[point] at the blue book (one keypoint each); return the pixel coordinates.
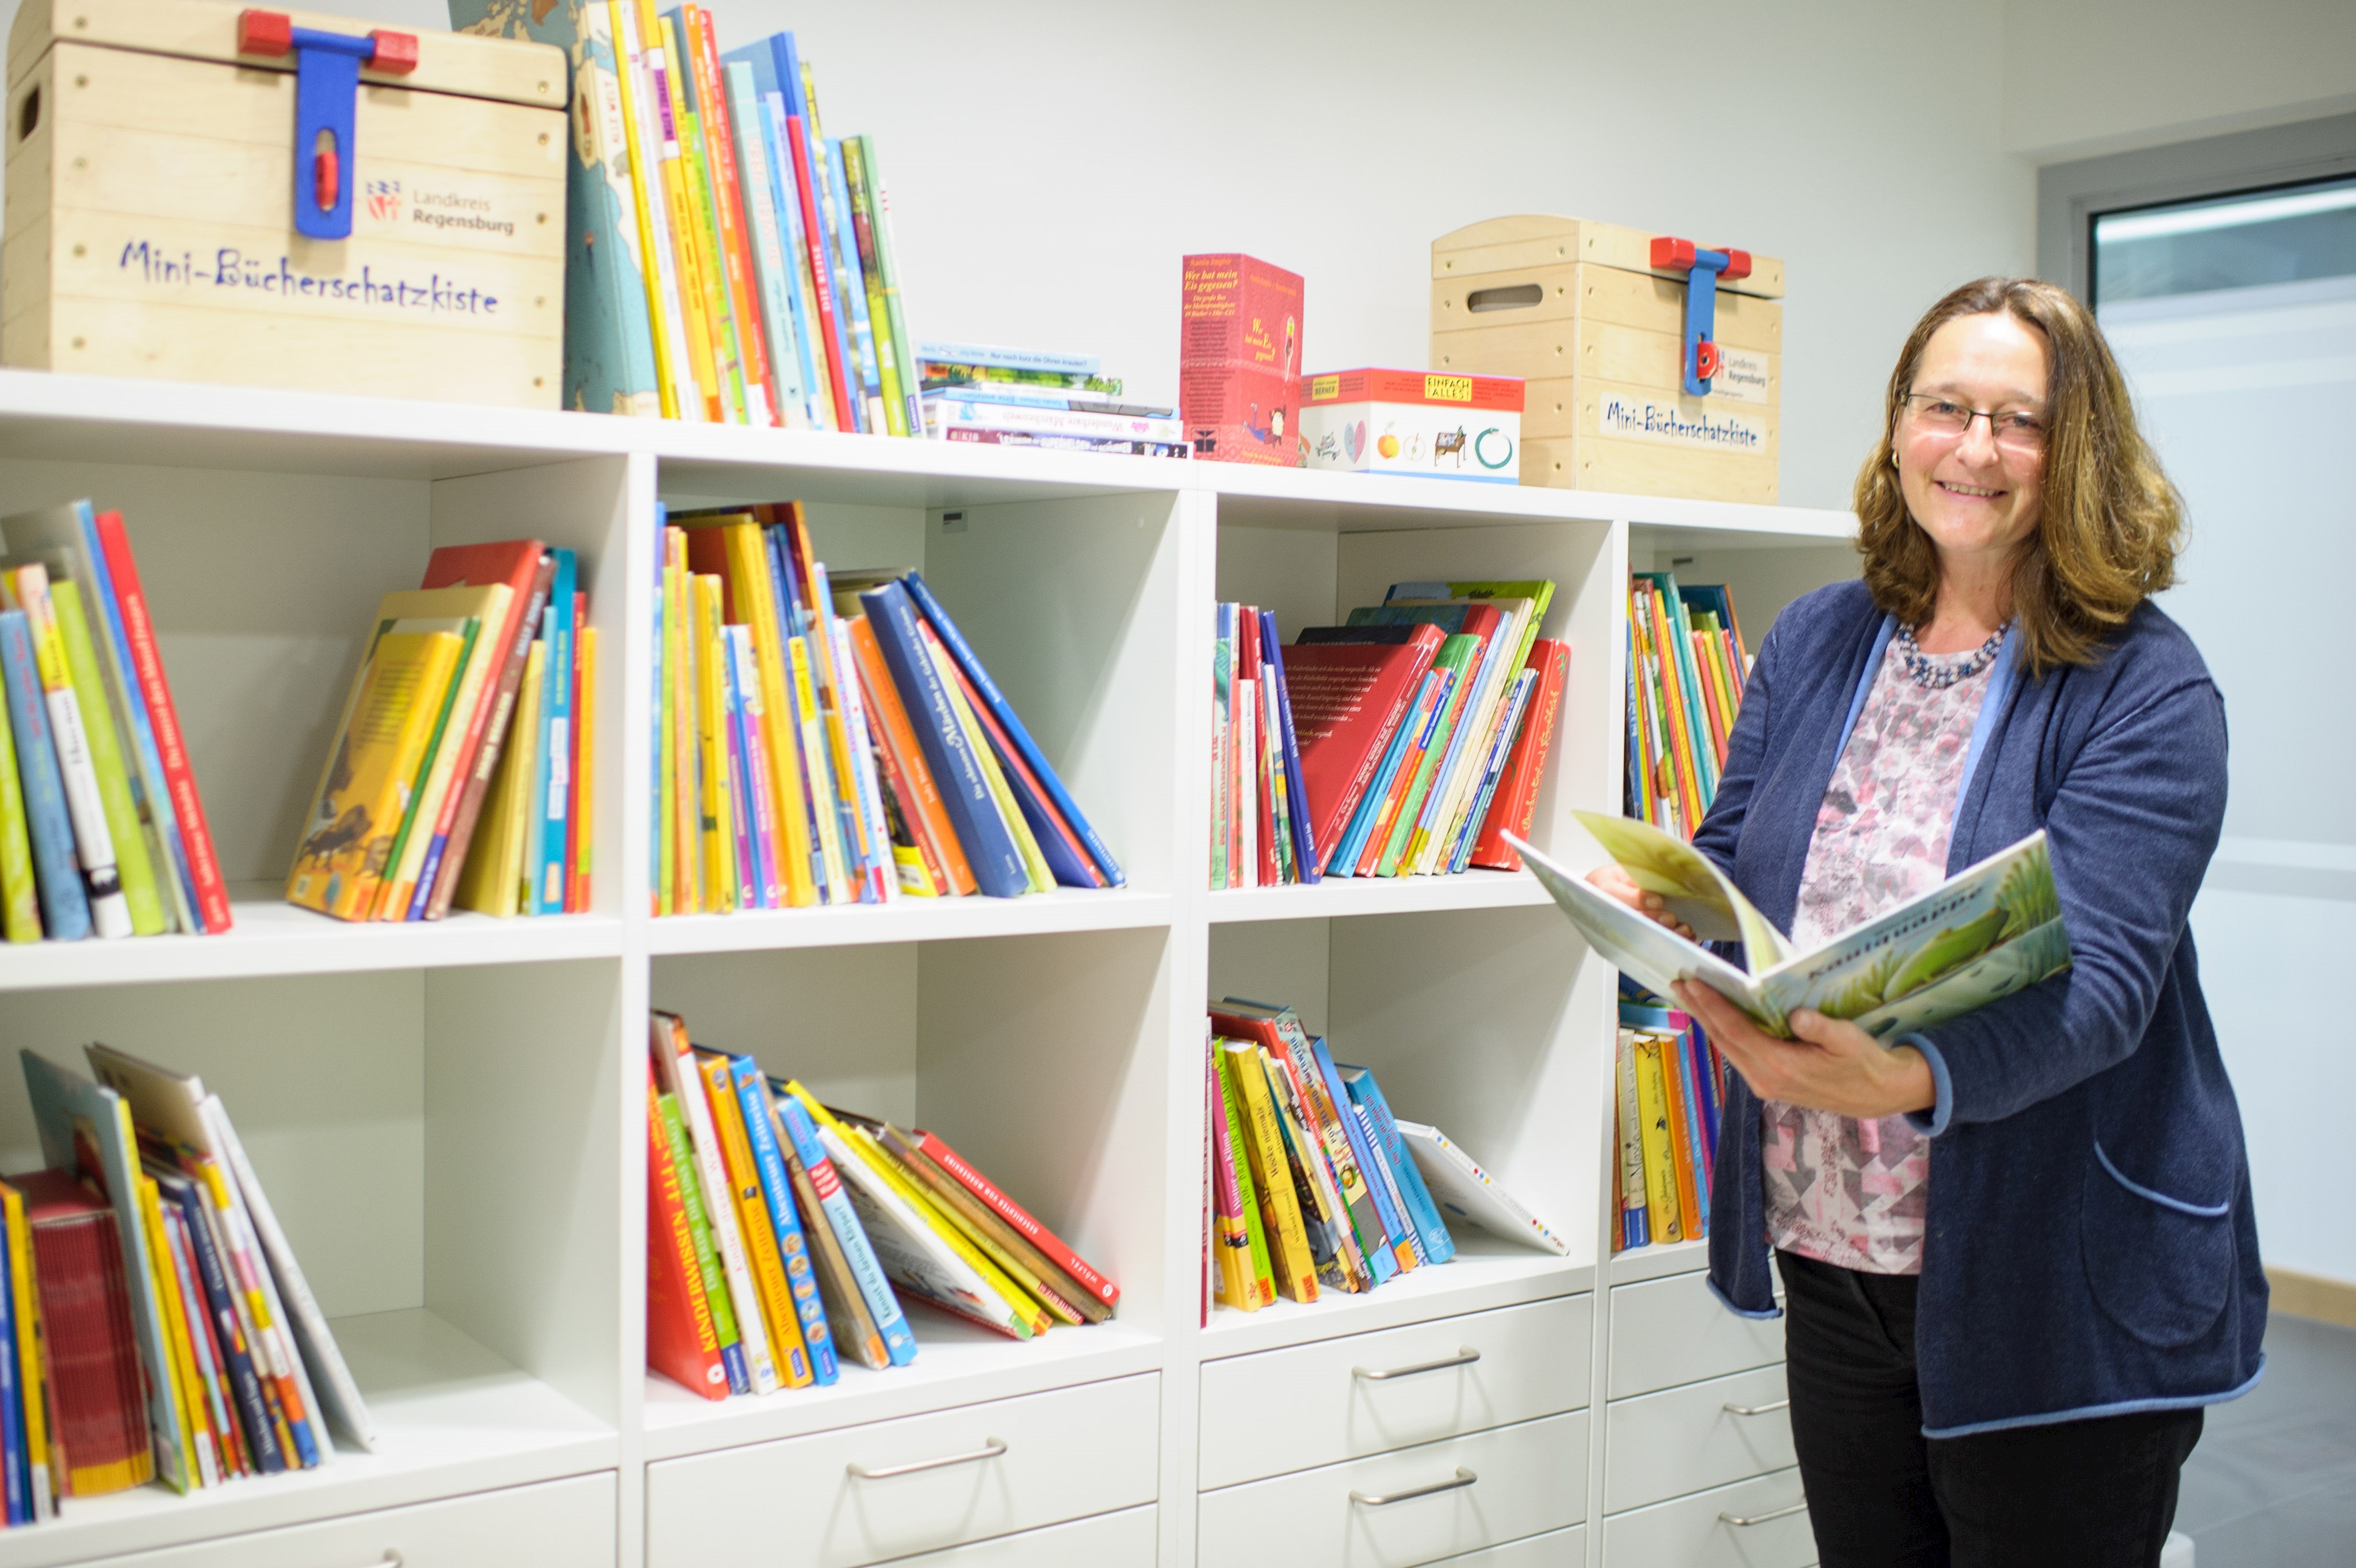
(941, 353)
(1439, 1246)
(213, 1275)
(764, 223)
(854, 282)
(784, 62)
(1021, 394)
(1501, 747)
(65, 904)
(997, 863)
(1370, 804)
(1682, 1058)
(791, 624)
(899, 1342)
(553, 779)
(789, 224)
(1396, 1228)
(778, 1192)
(1305, 837)
(752, 892)
(1003, 712)
(18, 1469)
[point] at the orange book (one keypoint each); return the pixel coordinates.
(1681, 1149)
(682, 1343)
(728, 203)
(911, 782)
(1679, 731)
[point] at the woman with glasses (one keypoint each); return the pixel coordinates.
(2016, 1249)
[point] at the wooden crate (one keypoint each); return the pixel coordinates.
(1577, 310)
(150, 224)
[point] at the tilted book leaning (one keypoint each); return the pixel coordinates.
(1985, 932)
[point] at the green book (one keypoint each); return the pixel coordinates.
(1247, 1193)
(20, 907)
(1454, 654)
(699, 1223)
(140, 893)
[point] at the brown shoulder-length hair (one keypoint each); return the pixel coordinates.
(2111, 524)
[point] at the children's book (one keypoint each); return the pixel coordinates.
(682, 1342)
(842, 1219)
(1985, 932)
(1464, 1191)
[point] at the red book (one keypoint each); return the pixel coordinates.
(575, 898)
(1056, 1249)
(728, 203)
(527, 568)
(822, 277)
(93, 1345)
(204, 865)
(1239, 358)
(1348, 699)
(682, 1343)
(1516, 803)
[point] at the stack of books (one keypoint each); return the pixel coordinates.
(1671, 1083)
(459, 770)
(1407, 742)
(1017, 397)
(726, 260)
(1314, 1185)
(155, 1325)
(824, 740)
(777, 1230)
(100, 828)
(1687, 668)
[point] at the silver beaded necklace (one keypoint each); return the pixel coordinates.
(1935, 674)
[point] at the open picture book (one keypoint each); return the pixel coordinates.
(1985, 933)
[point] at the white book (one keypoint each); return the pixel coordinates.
(909, 1249)
(1464, 1191)
(676, 1067)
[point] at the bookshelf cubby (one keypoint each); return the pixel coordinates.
(450, 1115)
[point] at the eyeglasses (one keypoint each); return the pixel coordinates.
(2018, 431)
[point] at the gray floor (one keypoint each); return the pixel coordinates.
(2273, 1483)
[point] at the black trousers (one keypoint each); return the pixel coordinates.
(2077, 1494)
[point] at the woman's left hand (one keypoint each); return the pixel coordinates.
(1832, 1066)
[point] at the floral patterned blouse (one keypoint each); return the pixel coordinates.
(1844, 1191)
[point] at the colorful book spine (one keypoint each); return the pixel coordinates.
(904, 346)
(760, 1235)
(1661, 1200)
(27, 589)
(707, 1256)
(748, 119)
(776, 1190)
(682, 1342)
(1262, 1283)
(899, 1343)
(20, 906)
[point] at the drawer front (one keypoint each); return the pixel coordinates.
(1688, 1532)
(568, 1524)
(1123, 1540)
(1527, 1480)
(1016, 1463)
(1555, 1549)
(1671, 1331)
(1311, 1405)
(1683, 1439)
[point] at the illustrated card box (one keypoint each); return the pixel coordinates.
(1238, 356)
(1409, 422)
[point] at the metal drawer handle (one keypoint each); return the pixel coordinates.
(1739, 1522)
(1464, 1478)
(1464, 1357)
(1756, 1408)
(991, 1449)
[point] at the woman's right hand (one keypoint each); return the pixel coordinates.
(1613, 879)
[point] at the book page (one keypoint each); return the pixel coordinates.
(1640, 946)
(1985, 932)
(1690, 886)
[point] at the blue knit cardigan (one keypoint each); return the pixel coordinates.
(2091, 1246)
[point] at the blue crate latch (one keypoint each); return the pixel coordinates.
(1702, 269)
(326, 86)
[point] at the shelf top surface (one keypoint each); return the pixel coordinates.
(170, 424)
(1485, 1272)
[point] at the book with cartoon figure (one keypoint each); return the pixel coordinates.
(1985, 932)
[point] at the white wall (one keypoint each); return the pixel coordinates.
(2084, 77)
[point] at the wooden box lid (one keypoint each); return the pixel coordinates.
(508, 71)
(1538, 239)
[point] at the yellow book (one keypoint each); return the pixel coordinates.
(718, 820)
(663, 303)
(666, 892)
(30, 1382)
(477, 683)
(194, 1430)
(752, 1211)
(710, 279)
(687, 800)
(27, 588)
(584, 769)
(812, 729)
(491, 881)
(1652, 1113)
(371, 771)
(1296, 1266)
(662, 65)
(1010, 810)
(960, 1208)
(719, 301)
(912, 1192)
(148, 915)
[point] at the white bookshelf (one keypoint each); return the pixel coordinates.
(450, 1116)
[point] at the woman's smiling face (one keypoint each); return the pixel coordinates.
(1972, 493)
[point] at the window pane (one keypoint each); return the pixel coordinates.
(2273, 237)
